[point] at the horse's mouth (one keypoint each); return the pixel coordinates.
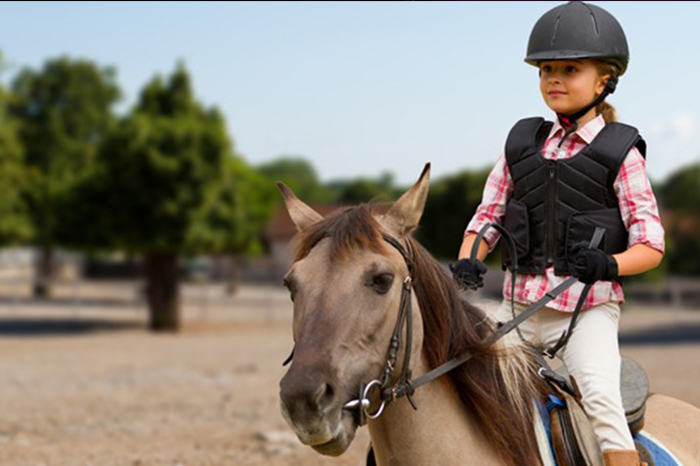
(340, 442)
(343, 435)
(335, 447)
(323, 434)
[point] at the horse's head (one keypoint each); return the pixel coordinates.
(346, 284)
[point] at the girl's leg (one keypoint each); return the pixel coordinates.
(592, 356)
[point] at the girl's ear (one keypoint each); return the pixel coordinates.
(602, 82)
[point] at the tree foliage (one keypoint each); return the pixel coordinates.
(681, 190)
(300, 176)
(235, 213)
(679, 196)
(157, 168)
(360, 190)
(15, 225)
(64, 112)
(451, 204)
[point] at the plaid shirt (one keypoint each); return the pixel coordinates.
(637, 206)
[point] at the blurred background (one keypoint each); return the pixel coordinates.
(143, 239)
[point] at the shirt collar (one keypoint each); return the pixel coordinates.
(587, 133)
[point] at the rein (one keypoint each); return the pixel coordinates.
(404, 385)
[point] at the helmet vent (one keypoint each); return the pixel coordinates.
(595, 24)
(556, 26)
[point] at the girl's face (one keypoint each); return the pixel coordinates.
(570, 85)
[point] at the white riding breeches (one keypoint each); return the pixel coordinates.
(592, 357)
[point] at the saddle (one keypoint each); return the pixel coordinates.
(573, 441)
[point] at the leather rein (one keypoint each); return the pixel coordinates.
(405, 386)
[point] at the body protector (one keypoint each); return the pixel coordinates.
(557, 204)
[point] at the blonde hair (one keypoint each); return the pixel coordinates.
(604, 108)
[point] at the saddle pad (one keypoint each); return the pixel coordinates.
(544, 435)
(662, 456)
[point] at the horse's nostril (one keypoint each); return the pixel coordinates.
(323, 396)
(307, 393)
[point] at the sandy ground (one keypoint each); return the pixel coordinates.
(83, 383)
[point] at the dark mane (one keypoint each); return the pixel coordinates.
(351, 228)
(453, 326)
(500, 399)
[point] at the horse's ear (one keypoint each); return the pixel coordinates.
(403, 217)
(302, 215)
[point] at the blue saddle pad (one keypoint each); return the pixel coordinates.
(662, 456)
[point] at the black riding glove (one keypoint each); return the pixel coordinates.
(468, 274)
(591, 265)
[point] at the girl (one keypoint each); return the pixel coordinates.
(554, 184)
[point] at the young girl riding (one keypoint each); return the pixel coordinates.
(555, 183)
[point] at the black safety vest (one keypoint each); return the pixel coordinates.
(557, 204)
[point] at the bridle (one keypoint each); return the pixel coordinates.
(404, 380)
(405, 386)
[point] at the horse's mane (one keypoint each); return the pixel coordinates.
(498, 386)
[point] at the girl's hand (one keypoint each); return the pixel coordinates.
(468, 274)
(591, 265)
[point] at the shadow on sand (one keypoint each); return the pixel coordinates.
(42, 327)
(675, 334)
(7, 301)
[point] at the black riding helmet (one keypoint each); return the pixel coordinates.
(579, 30)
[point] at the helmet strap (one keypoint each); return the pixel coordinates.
(570, 121)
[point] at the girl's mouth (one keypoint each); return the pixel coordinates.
(555, 93)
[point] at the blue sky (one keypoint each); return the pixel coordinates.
(364, 88)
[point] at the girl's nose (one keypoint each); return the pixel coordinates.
(553, 78)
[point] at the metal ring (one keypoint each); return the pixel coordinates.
(379, 410)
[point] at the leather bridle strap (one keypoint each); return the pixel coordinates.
(405, 316)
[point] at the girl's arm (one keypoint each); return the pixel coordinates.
(640, 213)
(497, 191)
(637, 259)
(466, 249)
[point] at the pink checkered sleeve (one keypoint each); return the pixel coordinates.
(638, 204)
(497, 191)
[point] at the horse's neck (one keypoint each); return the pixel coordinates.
(441, 431)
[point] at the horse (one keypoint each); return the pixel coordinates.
(346, 283)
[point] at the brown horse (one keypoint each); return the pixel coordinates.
(346, 284)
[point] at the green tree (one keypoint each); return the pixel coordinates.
(163, 160)
(64, 113)
(365, 189)
(679, 196)
(234, 215)
(300, 176)
(681, 190)
(451, 204)
(15, 225)
(236, 212)
(160, 168)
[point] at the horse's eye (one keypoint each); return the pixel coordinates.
(291, 287)
(381, 283)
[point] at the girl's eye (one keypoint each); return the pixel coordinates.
(570, 69)
(381, 283)
(546, 69)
